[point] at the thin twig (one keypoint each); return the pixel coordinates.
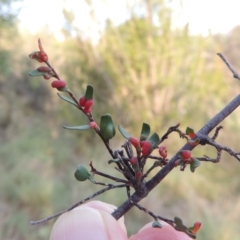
(216, 132)
(213, 160)
(155, 216)
(78, 204)
(173, 129)
(161, 174)
(155, 164)
(235, 74)
(95, 171)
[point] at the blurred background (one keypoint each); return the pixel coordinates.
(149, 61)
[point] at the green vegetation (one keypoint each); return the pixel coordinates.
(142, 73)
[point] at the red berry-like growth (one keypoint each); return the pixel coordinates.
(46, 76)
(135, 142)
(82, 101)
(93, 125)
(162, 151)
(88, 103)
(185, 154)
(58, 84)
(44, 69)
(146, 148)
(43, 56)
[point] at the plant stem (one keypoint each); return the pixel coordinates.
(205, 130)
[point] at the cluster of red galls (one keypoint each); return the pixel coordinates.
(46, 72)
(145, 147)
(86, 104)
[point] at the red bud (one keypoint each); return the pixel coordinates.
(44, 69)
(185, 154)
(135, 142)
(39, 56)
(82, 101)
(93, 125)
(146, 148)
(46, 76)
(162, 151)
(88, 103)
(43, 56)
(58, 84)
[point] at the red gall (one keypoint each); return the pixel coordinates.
(146, 148)
(93, 125)
(135, 142)
(87, 110)
(58, 84)
(46, 76)
(162, 151)
(82, 101)
(185, 154)
(88, 103)
(44, 69)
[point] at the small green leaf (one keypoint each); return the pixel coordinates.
(123, 132)
(156, 224)
(67, 99)
(179, 224)
(89, 92)
(113, 160)
(83, 127)
(154, 139)
(178, 221)
(36, 73)
(196, 163)
(190, 132)
(145, 132)
(81, 174)
(107, 127)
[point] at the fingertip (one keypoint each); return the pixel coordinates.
(87, 223)
(165, 233)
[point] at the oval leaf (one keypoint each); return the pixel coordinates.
(69, 100)
(178, 221)
(196, 163)
(145, 132)
(89, 92)
(83, 127)
(36, 73)
(123, 132)
(107, 127)
(154, 139)
(179, 225)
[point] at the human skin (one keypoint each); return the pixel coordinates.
(93, 220)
